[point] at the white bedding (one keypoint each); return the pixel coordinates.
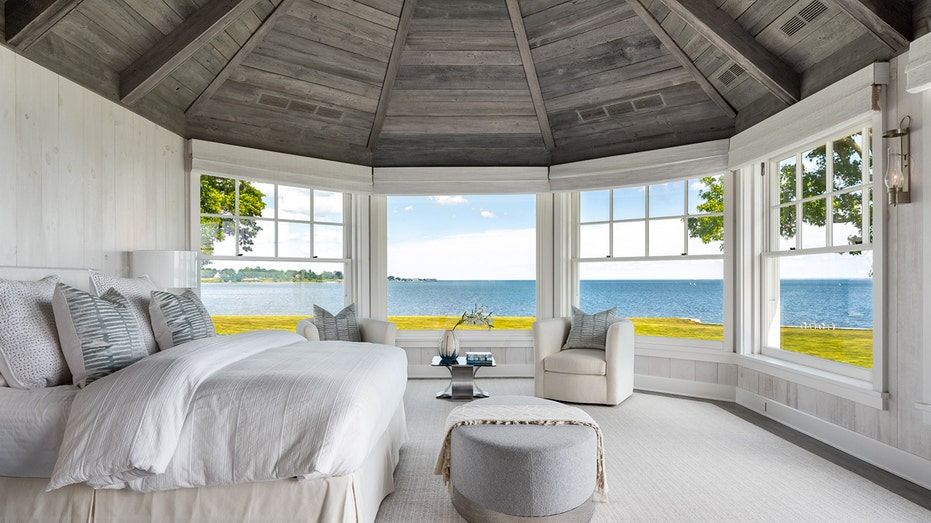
(250, 407)
(32, 423)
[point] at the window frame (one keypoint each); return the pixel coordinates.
(771, 251)
(662, 345)
(349, 279)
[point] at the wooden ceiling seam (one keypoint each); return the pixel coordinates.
(391, 72)
(175, 48)
(683, 58)
(530, 71)
(257, 36)
(733, 40)
(878, 21)
(27, 21)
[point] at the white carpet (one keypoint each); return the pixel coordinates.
(668, 459)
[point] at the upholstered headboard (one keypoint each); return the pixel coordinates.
(77, 278)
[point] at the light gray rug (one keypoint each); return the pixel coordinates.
(668, 459)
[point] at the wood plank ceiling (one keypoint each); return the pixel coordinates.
(457, 83)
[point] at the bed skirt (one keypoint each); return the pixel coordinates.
(352, 498)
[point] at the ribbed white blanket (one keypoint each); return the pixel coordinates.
(231, 409)
(477, 414)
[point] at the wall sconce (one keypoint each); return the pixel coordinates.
(897, 163)
(167, 269)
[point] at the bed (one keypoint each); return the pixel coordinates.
(263, 426)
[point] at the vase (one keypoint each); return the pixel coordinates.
(449, 347)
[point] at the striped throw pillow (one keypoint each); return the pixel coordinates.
(589, 331)
(179, 318)
(343, 326)
(99, 336)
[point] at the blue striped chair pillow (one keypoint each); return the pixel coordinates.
(179, 318)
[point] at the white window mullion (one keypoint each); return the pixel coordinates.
(829, 193)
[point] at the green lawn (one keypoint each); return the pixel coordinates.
(854, 346)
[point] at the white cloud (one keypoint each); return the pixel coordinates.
(488, 214)
(449, 200)
(506, 254)
(409, 208)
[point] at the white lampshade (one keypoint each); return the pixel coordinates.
(167, 269)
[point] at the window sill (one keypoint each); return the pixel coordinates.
(859, 391)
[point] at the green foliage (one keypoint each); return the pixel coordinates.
(709, 228)
(261, 274)
(218, 196)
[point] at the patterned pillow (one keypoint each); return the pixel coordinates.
(30, 356)
(99, 336)
(343, 326)
(138, 291)
(178, 319)
(589, 331)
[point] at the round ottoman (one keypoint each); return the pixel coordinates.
(512, 472)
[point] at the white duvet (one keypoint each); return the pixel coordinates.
(231, 409)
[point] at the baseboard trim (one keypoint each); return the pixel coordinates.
(903, 464)
(697, 389)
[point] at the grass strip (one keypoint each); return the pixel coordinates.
(853, 346)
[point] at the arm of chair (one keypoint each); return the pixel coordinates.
(619, 356)
(549, 335)
(307, 329)
(378, 331)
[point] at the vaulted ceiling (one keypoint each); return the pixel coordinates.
(456, 82)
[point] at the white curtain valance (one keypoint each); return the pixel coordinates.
(641, 168)
(256, 164)
(425, 181)
(834, 108)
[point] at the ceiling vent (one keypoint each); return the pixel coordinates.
(302, 107)
(330, 114)
(808, 13)
(623, 107)
(592, 114)
(648, 102)
(620, 108)
(730, 74)
(273, 101)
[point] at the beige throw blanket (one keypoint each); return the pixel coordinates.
(475, 414)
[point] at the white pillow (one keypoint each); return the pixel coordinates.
(99, 336)
(177, 319)
(3, 382)
(138, 291)
(30, 356)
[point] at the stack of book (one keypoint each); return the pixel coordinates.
(479, 358)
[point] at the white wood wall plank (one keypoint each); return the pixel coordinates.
(108, 191)
(8, 162)
(70, 197)
(30, 126)
(92, 140)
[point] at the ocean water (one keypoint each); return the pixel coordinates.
(844, 303)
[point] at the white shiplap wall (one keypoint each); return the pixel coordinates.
(82, 180)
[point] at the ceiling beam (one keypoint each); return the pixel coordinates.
(890, 26)
(28, 20)
(683, 58)
(391, 72)
(240, 55)
(165, 56)
(530, 71)
(728, 36)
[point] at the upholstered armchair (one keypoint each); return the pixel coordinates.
(373, 331)
(583, 375)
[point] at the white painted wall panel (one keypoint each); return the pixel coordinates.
(82, 180)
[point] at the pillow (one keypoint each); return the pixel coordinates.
(588, 331)
(99, 336)
(343, 326)
(138, 291)
(30, 356)
(3, 382)
(177, 319)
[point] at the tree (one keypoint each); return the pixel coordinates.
(847, 160)
(218, 196)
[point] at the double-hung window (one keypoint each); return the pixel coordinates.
(818, 255)
(271, 251)
(656, 253)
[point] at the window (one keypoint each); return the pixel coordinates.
(656, 253)
(818, 260)
(270, 252)
(447, 254)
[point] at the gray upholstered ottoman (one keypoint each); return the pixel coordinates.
(512, 472)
